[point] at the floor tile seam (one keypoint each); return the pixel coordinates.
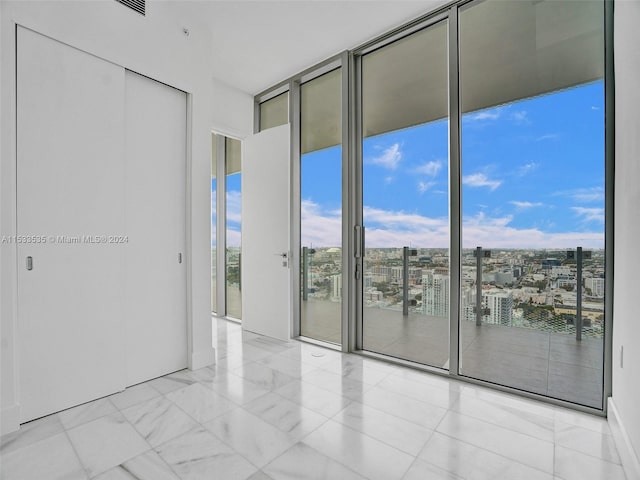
(75, 452)
(384, 368)
(493, 453)
(8, 452)
(116, 410)
(397, 450)
(301, 405)
(429, 430)
(145, 437)
(452, 475)
(389, 414)
(503, 427)
(155, 449)
(591, 455)
(138, 402)
(201, 423)
(301, 441)
(236, 452)
(427, 403)
(345, 464)
(495, 423)
(607, 433)
(548, 409)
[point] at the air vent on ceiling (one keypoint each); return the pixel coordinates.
(136, 5)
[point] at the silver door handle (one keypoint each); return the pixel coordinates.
(29, 263)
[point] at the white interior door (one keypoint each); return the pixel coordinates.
(156, 326)
(266, 286)
(70, 169)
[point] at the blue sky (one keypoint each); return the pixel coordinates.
(532, 174)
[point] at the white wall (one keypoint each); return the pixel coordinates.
(626, 326)
(154, 46)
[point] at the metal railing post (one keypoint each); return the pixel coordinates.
(479, 286)
(305, 272)
(405, 281)
(579, 294)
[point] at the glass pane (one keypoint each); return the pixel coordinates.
(321, 208)
(274, 112)
(532, 99)
(406, 198)
(214, 216)
(234, 229)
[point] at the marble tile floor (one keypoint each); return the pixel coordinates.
(271, 410)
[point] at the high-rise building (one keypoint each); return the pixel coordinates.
(435, 294)
(596, 285)
(500, 305)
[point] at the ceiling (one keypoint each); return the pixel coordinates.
(259, 43)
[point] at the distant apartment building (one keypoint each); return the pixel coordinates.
(596, 285)
(500, 305)
(435, 294)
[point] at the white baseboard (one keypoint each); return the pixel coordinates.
(202, 358)
(629, 457)
(10, 419)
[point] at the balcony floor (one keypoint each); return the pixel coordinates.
(547, 363)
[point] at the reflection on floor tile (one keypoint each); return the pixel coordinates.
(272, 410)
(198, 455)
(253, 438)
(85, 413)
(52, 458)
(31, 432)
(158, 420)
(364, 454)
(106, 442)
(148, 466)
(301, 462)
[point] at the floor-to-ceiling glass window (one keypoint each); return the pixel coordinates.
(533, 172)
(214, 217)
(405, 198)
(321, 289)
(234, 228)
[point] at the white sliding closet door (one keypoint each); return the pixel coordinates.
(70, 167)
(156, 327)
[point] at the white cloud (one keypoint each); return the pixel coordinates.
(480, 180)
(320, 228)
(233, 237)
(590, 214)
(390, 157)
(521, 117)
(584, 195)
(525, 204)
(388, 180)
(388, 228)
(430, 168)
(234, 206)
(526, 168)
(424, 186)
(548, 136)
(492, 114)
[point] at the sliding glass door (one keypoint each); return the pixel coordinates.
(405, 198)
(525, 182)
(533, 170)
